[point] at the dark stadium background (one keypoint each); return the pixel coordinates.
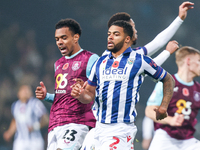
(28, 50)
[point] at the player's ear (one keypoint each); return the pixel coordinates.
(127, 39)
(76, 37)
(188, 61)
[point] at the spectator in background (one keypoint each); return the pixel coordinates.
(29, 116)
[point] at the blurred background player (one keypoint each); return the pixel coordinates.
(29, 116)
(70, 120)
(177, 130)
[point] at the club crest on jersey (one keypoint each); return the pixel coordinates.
(130, 61)
(185, 92)
(65, 66)
(196, 96)
(76, 65)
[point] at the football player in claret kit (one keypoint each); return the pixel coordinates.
(177, 130)
(70, 120)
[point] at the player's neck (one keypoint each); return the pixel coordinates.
(185, 75)
(76, 48)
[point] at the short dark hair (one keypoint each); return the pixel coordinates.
(119, 16)
(72, 24)
(125, 25)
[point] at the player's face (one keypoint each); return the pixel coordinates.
(24, 93)
(134, 38)
(115, 39)
(195, 65)
(65, 41)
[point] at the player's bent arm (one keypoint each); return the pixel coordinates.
(149, 112)
(171, 47)
(176, 120)
(88, 94)
(168, 86)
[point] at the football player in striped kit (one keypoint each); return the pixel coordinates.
(114, 82)
(177, 130)
(29, 116)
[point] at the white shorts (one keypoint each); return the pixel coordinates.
(67, 137)
(116, 136)
(163, 141)
(34, 144)
(89, 142)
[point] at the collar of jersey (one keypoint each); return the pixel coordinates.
(128, 50)
(69, 57)
(182, 82)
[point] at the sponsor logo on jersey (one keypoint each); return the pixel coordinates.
(114, 74)
(129, 138)
(185, 92)
(76, 65)
(196, 96)
(65, 66)
(60, 91)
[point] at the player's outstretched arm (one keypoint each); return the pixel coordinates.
(163, 37)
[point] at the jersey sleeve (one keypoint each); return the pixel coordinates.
(92, 80)
(49, 97)
(90, 63)
(162, 57)
(156, 96)
(140, 50)
(152, 69)
(163, 37)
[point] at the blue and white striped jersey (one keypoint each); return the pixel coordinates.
(118, 81)
(25, 115)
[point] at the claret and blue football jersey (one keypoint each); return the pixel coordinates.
(118, 81)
